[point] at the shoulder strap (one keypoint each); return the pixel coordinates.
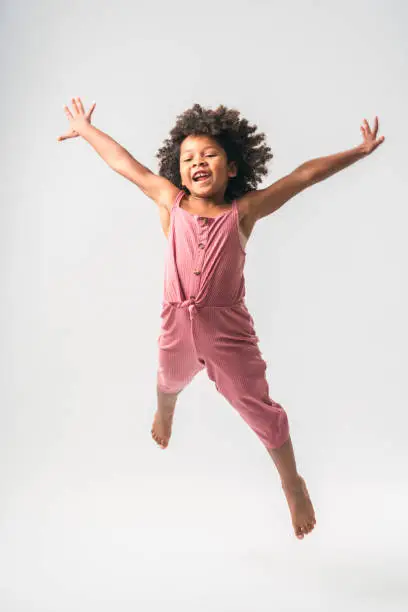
(178, 198)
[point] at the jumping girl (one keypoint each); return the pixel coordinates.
(208, 202)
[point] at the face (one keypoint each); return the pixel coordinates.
(204, 153)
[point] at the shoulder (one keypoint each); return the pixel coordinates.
(246, 217)
(169, 196)
(245, 209)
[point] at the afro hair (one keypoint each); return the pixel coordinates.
(236, 136)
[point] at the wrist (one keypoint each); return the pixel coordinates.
(83, 128)
(362, 150)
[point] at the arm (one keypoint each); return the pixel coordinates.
(322, 167)
(263, 202)
(158, 188)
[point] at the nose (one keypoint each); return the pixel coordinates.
(199, 166)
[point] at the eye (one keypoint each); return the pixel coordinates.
(209, 155)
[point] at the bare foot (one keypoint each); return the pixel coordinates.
(301, 509)
(161, 429)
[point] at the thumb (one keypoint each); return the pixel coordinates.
(71, 134)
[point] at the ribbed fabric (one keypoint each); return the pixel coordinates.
(206, 324)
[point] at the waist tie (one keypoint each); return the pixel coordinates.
(193, 308)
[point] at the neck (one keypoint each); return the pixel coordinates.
(207, 202)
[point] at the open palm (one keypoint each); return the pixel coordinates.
(370, 141)
(76, 118)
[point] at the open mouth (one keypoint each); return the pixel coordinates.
(202, 179)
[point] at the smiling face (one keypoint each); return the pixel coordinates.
(203, 153)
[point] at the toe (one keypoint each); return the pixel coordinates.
(311, 525)
(162, 442)
(156, 438)
(299, 533)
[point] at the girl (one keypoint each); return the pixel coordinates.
(208, 205)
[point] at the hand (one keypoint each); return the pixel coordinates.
(77, 119)
(370, 143)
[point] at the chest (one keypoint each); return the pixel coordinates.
(246, 224)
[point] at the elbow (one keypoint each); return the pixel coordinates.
(310, 176)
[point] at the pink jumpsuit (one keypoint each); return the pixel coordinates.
(206, 324)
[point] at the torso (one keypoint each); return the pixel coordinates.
(246, 223)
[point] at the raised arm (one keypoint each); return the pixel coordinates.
(158, 188)
(263, 202)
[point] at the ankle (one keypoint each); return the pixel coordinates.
(166, 410)
(292, 484)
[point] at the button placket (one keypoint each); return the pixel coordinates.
(199, 259)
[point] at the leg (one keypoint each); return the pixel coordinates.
(178, 365)
(294, 487)
(166, 401)
(239, 375)
(163, 419)
(285, 462)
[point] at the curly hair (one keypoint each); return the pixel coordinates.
(236, 136)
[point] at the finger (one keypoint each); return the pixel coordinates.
(375, 128)
(74, 104)
(91, 110)
(80, 106)
(70, 134)
(367, 126)
(67, 112)
(65, 136)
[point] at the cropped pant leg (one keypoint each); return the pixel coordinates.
(178, 362)
(235, 364)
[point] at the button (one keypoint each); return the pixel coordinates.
(205, 220)
(192, 297)
(201, 245)
(197, 272)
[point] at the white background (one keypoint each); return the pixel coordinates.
(93, 515)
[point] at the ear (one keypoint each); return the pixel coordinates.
(233, 168)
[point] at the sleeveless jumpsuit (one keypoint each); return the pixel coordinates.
(206, 324)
